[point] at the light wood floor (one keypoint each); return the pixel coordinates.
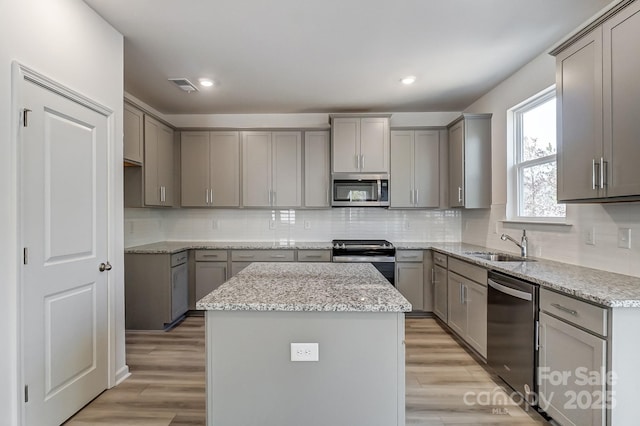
(167, 383)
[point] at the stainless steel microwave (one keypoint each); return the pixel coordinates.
(354, 190)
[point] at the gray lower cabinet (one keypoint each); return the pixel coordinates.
(156, 289)
(467, 303)
(440, 290)
(211, 271)
(314, 256)
(567, 355)
(410, 277)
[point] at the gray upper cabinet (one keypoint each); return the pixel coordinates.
(133, 124)
(598, 99)
(317, 177)
(210, 169)
(360, 144)
(470, 161)
(272, 169)
(415, 169)
(158, 163)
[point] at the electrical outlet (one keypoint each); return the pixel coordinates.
(590, 237)
(624, 238)
(307, 224)
(272, 224)
(305, 352)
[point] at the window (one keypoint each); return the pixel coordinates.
(535, 171)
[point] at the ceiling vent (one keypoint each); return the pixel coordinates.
(184, 84)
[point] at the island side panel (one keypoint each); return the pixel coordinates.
(358, 380)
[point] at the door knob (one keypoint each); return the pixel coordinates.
(105, 267)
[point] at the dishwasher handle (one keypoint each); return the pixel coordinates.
(510, 291)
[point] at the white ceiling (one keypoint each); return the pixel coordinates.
(296, 56)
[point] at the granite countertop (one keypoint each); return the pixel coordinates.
(178, 246)
(325, 287)
(593, 285)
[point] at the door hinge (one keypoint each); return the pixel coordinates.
(25, 116)
(25, 255)
(26, 393)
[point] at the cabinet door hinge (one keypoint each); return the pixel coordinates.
(25, 116)
(25, 255)
(26, 393)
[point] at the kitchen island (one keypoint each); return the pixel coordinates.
(350, 311)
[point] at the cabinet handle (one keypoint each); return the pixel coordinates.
(206, 195)
(411, 193)
(274, 199)
(210, 255)
(564, 309)
(362, 165)
(603, 172)
(246, 256)
(417, 197)
(459, 194)
(312, 256)
(211, 196)
(357, 158)
(160, 193)
(269, 197)
(594, 184)
(277, 256)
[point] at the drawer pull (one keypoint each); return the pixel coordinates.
(312, 256)
(277, 256)
(209, 255)
(246, 256)
(563, 309)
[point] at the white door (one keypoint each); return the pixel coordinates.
(64, 228)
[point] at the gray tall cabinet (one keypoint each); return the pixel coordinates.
(415, 169)
(470, 161)
(272, 169)
(598, 101)
(210, 169)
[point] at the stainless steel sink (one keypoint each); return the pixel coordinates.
(499, 257)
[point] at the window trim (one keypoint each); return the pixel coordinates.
(516, 165)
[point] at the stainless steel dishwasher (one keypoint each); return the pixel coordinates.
(512, 333)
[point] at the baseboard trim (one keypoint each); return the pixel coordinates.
(122, 375)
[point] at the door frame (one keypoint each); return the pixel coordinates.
(21, 73)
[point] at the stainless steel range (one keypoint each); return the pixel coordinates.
(380, 253)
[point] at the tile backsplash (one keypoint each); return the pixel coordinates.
(566, 243)
(143, 226)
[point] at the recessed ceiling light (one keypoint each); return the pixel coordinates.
(410, 79)
(205, 82)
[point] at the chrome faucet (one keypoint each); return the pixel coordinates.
(522, 244)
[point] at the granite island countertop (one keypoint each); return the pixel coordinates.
(294, 287)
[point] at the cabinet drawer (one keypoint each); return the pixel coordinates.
(409, 256)
(473, 272)
(211, 255)
(178, 258)
(262, 255)
(583, 314)
(314, 255)
(440, 259)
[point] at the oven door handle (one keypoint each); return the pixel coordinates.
(510, 291)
